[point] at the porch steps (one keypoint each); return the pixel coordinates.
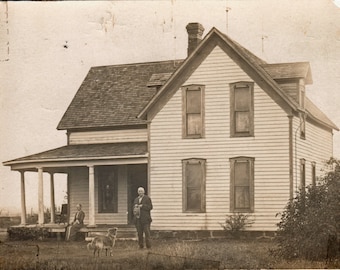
(124, 232)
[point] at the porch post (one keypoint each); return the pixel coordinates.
(52, 198)
(40, 197)
(92, 221)
(23, 198)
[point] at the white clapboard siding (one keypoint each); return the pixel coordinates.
(317, 148)
(79, 193)
(290, 88)
(269, 147)
(108, 136)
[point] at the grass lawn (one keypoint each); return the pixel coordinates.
(165, 254)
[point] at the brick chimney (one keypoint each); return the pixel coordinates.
(195, 33)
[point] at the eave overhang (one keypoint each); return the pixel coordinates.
(60, 159)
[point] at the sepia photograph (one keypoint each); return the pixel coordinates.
(170, 134)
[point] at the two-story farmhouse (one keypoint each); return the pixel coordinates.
(219, 132)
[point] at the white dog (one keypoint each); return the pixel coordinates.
(101, 242)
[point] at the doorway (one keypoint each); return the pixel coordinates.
(137, 177)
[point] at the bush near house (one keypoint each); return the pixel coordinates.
(310, 224)
(236, 223)
(25, 233)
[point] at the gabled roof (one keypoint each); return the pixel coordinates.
(112, 96)
(247, 60)
(262, 73)
(289, 71)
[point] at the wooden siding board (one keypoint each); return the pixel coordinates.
(78, 191)
(316, 148)
(108, 136)
(167, 149)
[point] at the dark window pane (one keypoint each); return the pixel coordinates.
(107, 189)
(242, 173)
(242, 121)
(194, 124)
(194, 175)
(193, 199)
(242, 99)
(194, 181)
(193, 101)
(242, 197)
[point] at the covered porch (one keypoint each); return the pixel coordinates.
(102, 177)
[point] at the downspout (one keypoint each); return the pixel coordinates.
(296, 158)
(149, 156)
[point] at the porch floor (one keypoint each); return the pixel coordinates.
(125, 232)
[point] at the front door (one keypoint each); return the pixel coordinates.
(137, 177)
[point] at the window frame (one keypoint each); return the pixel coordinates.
(233, 87)
(102, 172)
(192, 87)
(185, 163)
(313, 166)
(302, 175)
(251, 161)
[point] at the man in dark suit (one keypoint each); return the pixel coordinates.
(142, 207)
(76, 224)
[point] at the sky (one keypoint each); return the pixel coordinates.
(47, 48)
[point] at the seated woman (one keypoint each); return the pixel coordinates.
(76, 224)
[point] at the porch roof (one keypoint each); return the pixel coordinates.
(82, 152)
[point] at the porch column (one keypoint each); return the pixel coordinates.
(40, 197)
(23, 198)
(92, 221)
(52, 198)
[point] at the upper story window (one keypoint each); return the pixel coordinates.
(242, 109)
(193, 111)
(194, 185)
(242, 184)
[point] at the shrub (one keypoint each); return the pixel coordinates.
(310, 222)
(27, 233)
(236, 223)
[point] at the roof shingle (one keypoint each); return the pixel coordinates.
(113, 95)
(87, 151)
